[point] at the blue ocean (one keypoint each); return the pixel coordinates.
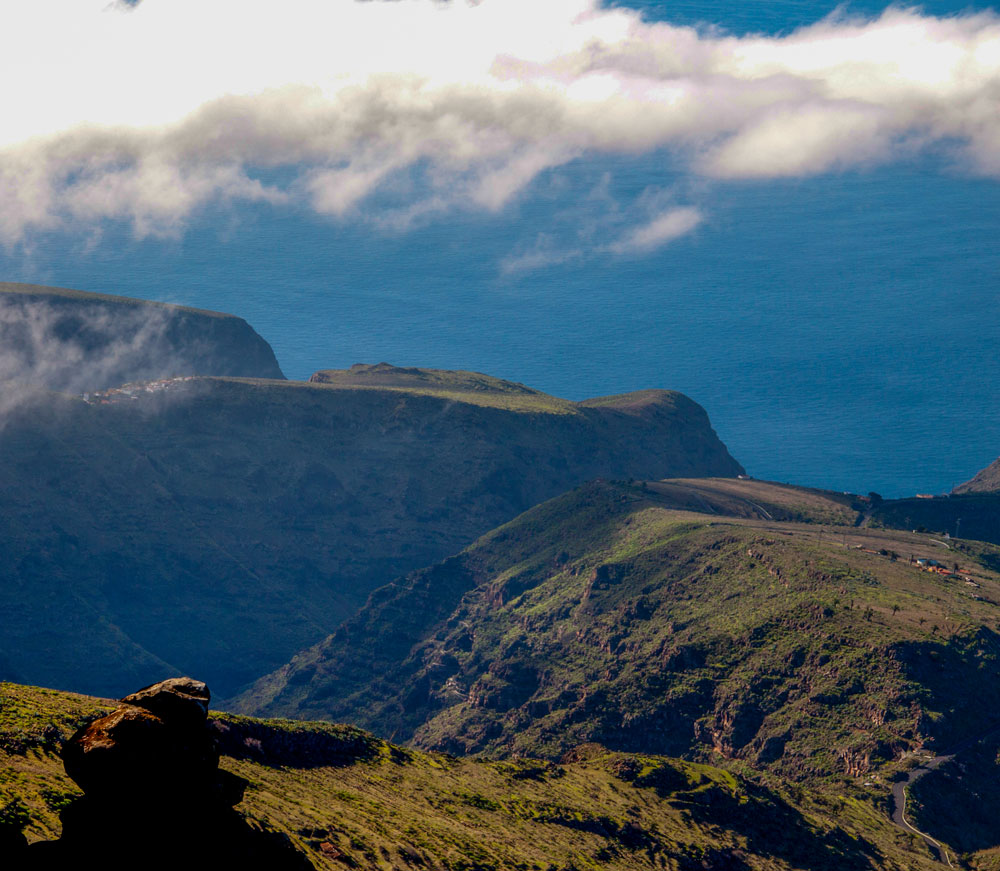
(841, 331)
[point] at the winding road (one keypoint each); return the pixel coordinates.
(899, 805)
(899, 794)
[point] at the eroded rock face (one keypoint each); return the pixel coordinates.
(153, 790)
(178, 697)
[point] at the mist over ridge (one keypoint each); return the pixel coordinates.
(844, 310)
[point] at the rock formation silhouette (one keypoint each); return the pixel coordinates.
(154, 796)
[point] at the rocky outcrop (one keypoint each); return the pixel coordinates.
(985, 481)
(76, 342)
(154, 794)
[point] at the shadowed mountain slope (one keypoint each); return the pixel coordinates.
(706, 619)
(971, 511)
(968, 515)
(216, 526)
(74, 341)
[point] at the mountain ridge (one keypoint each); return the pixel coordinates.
(157, 504)
(733, 619)
(77, 341)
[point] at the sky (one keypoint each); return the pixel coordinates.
(144, 113)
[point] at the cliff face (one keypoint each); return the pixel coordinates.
(986, 481)
(74, 341)
(217, 526)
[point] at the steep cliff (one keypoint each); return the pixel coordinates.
(74, 341)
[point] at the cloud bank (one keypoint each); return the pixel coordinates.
(146, 113)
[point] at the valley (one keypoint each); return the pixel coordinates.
(453, 622)
(217, 525)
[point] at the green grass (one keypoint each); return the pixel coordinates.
(474, 388)
(528, 403)
(793, 647)
(383, 807)
(38, 290)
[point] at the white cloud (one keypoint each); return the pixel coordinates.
(146, 113)
(659, 231)
(647, 225)
(543, 255)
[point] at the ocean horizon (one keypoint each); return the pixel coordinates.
(841, 329)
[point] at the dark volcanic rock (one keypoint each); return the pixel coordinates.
(154, 792)
(75, 342)
(156, 741)
(180, 698)
(12, 842)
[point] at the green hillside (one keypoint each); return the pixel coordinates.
(470, 387)
(217, 526)
(348, 800)
(745, 626)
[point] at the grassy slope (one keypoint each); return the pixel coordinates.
(131, 529)
(39, 291)
(609, 615)
(378, 806)
(477, 388)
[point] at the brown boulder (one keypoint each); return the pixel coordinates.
(155, 744)
(152, 788)
(178, 698)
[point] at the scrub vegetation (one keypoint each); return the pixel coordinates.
(349, 800)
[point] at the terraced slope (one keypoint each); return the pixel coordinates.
(217, 526)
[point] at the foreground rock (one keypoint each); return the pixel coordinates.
(154, 794)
